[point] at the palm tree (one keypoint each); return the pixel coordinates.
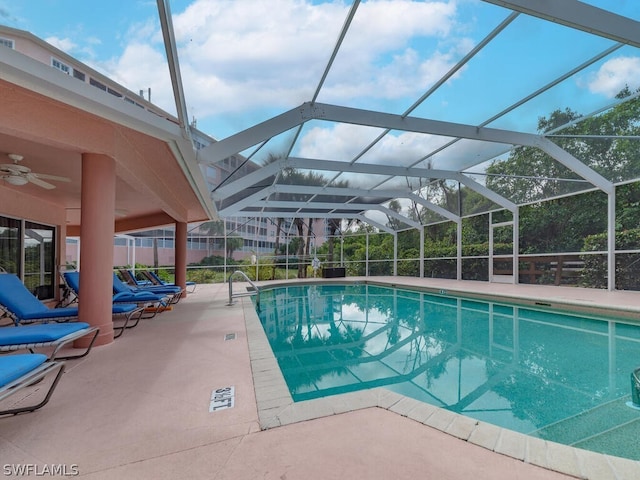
(291, 176)
(276, 248)
(333, 228)
(214, 228)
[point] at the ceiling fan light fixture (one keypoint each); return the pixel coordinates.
(16, 180)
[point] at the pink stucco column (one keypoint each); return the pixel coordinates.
(181, 256)
(96, 234)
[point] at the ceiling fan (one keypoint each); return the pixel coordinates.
(16, 174)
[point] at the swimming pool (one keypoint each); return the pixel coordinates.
(552, 375)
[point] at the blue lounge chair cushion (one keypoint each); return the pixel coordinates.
(66, 312)
(121, 294)
(137, 297)
(21, 302)
(73, 280)
(40, 333)
(13, 367)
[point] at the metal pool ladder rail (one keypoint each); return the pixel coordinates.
(255, 291)
(635, 389)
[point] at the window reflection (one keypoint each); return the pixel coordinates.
(27, 249)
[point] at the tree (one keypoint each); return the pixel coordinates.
(276, 247)
(531, 176)
(213, 228)
(393, 222)
(303, 226)
(233, 243)
(333, 227)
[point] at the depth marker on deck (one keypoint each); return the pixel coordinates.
(222, 398)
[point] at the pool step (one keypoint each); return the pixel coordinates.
(598, 421)
(621, 441)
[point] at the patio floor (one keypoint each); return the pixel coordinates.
(139, 409)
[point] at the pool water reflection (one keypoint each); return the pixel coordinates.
(560, 377)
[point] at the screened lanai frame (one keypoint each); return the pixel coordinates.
(452, 148)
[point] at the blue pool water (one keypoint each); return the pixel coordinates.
(556, 376)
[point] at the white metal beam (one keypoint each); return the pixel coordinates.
(336, 191)
(434, 127)
(340, 191)
(239, 142)
(580, 16)
(370, 168)
(356, 216)
(575, 165)
(361, 192)
(247, 201)
(365, 168)
(164, 12)
(236, 143)
(372, 118)
(326, 165)
(265, 130)
(433, 207)
(356, 208)
(375, 224)
(248, 180)
(484, 191)
(216, 152)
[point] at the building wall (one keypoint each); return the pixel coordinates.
(123, 255)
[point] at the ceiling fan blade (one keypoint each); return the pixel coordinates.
(41, 183)
(14, 169)
(51, 177)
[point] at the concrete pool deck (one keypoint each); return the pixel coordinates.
(139, 408)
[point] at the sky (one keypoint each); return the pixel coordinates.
(243, 61)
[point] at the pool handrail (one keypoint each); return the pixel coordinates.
(256, 290)
(635, 387)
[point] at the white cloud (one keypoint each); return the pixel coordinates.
(141, 67)
(345, 141)
(339, 142)
(614, 75)
(243, 61)
(82, 50)
(237, 56)
(65, 44)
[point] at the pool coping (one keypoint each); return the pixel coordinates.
(276, 408)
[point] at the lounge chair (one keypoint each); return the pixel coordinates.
(156, 280)
(129, 278)
(132, 313)
(19, 304)
(23, 370)
(46, 335)
(172, 293)
(67, 294)
(147, 303)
